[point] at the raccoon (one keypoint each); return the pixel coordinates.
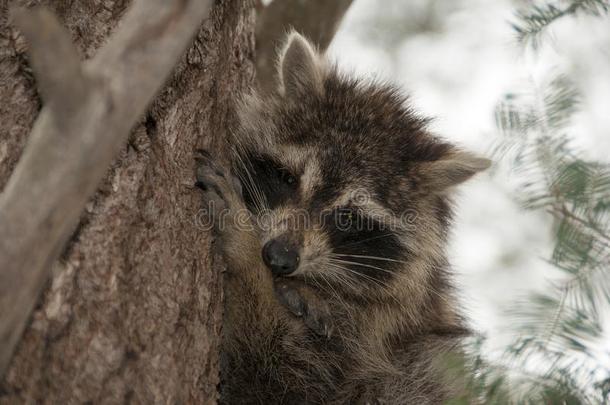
(332, 204)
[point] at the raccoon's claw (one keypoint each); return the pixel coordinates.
(305, 305)
(220, 188)
(210, 179)
(319, 322)
(203, 154)
(211, 175)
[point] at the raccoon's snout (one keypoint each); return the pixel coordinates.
(280, 257)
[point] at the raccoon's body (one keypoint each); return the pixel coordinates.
(333, 217)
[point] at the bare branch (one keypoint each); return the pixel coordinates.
(318, 20)
(76, 136)
(57, 67)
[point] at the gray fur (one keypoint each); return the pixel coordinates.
(373, 331)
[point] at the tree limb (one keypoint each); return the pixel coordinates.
(57, 68)
(89, 110)
(318, 20)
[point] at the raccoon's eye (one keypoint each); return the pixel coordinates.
(271, 182)
(347, 219)
(288, 178)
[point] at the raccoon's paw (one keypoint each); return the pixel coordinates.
(305, 304)
(220, 188)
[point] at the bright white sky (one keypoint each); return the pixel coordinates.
(458, 74)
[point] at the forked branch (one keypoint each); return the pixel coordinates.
(57, 68)
(89, 109)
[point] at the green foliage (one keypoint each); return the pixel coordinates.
(575, 192)
(560, 327)
(511, 382)
(553, 361)
(532, 22)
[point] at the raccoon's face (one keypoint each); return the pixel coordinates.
(347, 185)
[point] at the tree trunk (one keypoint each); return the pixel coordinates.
(132, 310)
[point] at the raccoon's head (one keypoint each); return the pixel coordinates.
(348, 186)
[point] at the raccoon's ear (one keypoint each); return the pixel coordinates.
(301, 69)
(455, 167)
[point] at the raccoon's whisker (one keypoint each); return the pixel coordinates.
(330, 287)
(250, 188)
(379, 282)
(334, 292)
(362, 264)
(427, 287)
(359, 274)
(371, 257)
(340, 277)
(373, 279)
(431, 289)
(331, 290)
(259, 198)
(257, 195)
(343, 277)
(313, 280)
(367, 277)
(247, 183)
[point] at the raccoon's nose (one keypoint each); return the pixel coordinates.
(280, 257)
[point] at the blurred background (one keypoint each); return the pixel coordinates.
(515, 81)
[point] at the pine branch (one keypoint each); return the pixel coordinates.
(560, 326)
(535, 20)
(519, 378)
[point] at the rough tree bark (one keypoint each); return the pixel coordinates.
(89, 109)
(132, 309)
